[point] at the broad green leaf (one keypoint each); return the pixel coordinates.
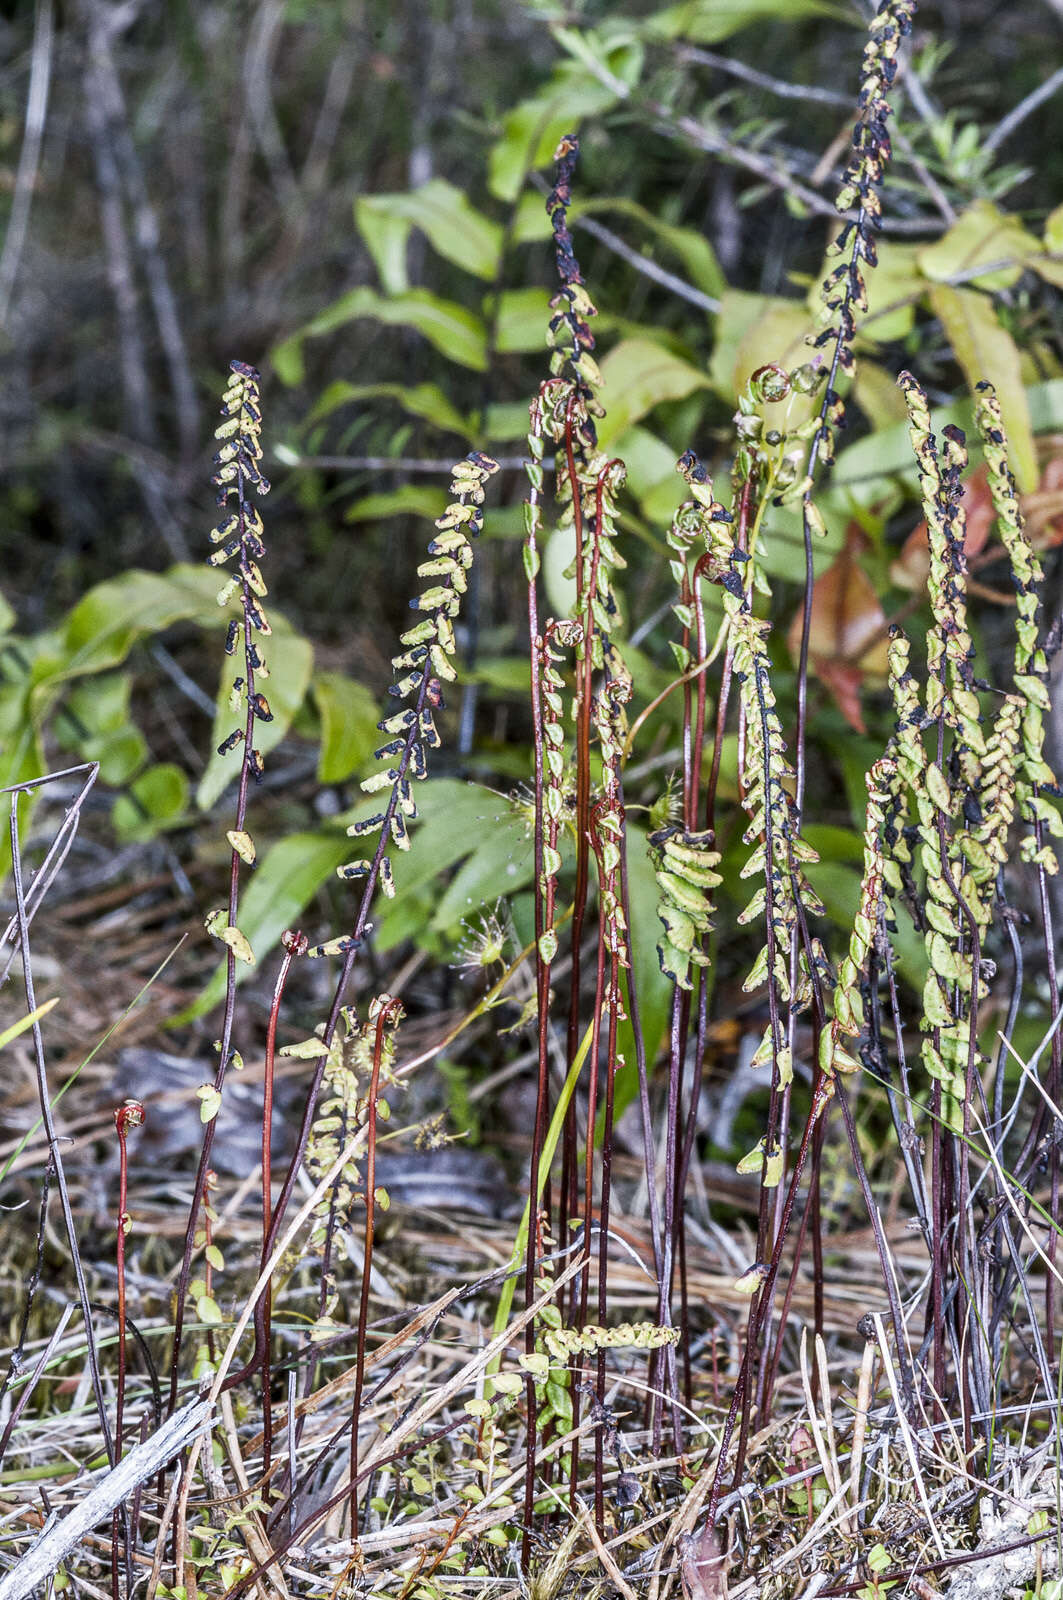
(455, 820)
(523, 315)
(531, 225)
(504, 674)
(591, 48)
(1054, 231)
(752, 330)
(864, 467)
(638, 375)
(290, 659)
(386, 234)
(838, 886)
(410, 499)
(985, 350)
(981, 235)
(894, 287)
(287, 878)
(832, 843)
(875, 391)
(653, 989)
(21, 756)
(158, 798)
(782, 548)
(455, 332)
(558, 554)
(94, 722)
(7, 617)
(425, 400)
(104, 625)
(121, 754)
(692, 248)
(532, 130)
(507, 420)
(101, 706)
(453, 225)
(501, 862)
(710, 21)
(651, 473)
(349, 717)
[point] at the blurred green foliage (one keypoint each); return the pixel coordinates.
(353, 198)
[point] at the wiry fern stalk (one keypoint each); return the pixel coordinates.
(844, 294)
(238, 537)
(844, 290)
(1021, 750)
(421, 669)
(779, 858)
(683, 860)
(357, 1062)
(607, 832)
(385, 1014)
(569, 412)
(953, 986)
(588, 483)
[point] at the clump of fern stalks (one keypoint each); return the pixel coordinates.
(610, 1392)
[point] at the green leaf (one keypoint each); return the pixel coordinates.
(121, 754)
(558, 555)
(503, 674)
(692, 248)
(7, 617)
(102, 627)
(290, 659)
(523, 315)
(501, 861)
(651, 473)
(208, 1311)
(454, 331)
(386, 235)
(101, 706)
(349, 717)
(288, 876)
(983, 234)
(654, 990)
(893, 289)
(532, 130)
(458, 823)
(985, 350)
(425, 400)
(1054, 231)
(752, 330)
(158, 798)
(443, 212)
(639, 374)
(410, 499)
(864, 468)
(710, 21)
(508, 419)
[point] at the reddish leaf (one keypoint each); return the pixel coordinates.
(701, 1567)
(1043, 511)
(845, 683)
(912, 567)
(848, 639)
